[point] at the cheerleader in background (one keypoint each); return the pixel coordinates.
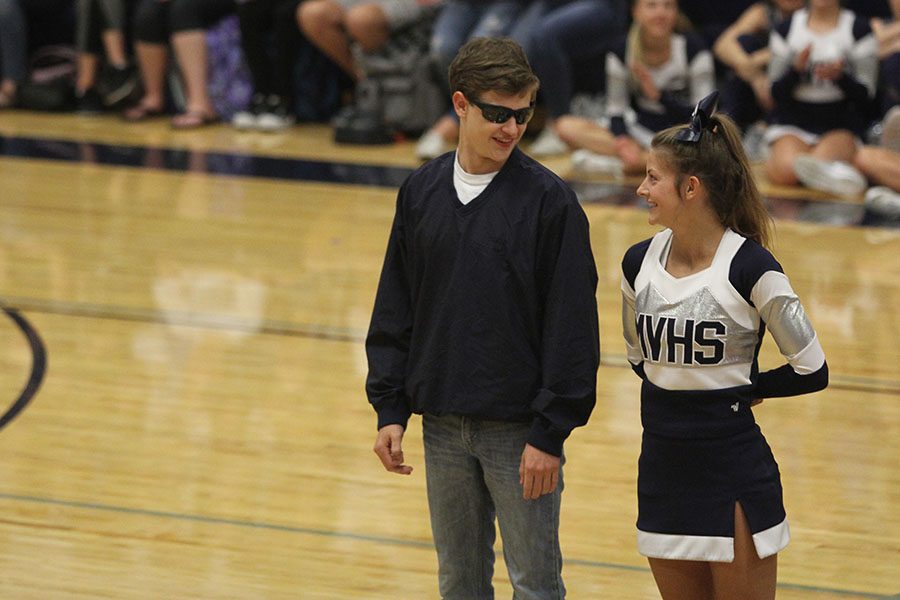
(654, 76)
(824, 71)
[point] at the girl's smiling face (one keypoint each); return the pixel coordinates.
(660, 189)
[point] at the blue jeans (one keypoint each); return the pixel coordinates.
(461, 20)
(572, 39)
(472, 473)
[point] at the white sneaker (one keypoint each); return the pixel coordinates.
(274, 121)
(890, 132)
(244, 120)
(431, 145)
(586, 161)
(835, 177)
(548, 144)
(883, 201)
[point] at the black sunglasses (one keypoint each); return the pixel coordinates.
(501, 114)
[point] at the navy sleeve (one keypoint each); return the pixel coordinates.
(631, 262)
(748, 265)
(784, 381)
(387, 343)
(570, 341)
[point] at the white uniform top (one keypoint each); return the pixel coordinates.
(703, 331)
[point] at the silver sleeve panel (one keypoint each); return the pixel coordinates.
(787, 321)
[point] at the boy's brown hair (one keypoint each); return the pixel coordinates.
(491, 64)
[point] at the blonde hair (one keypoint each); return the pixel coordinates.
(719, 161)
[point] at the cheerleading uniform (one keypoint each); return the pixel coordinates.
(694, 341)
(683, 80)
(807, 107)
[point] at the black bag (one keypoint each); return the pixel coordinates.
(51, 80)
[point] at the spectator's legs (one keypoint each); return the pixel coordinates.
(322, 22)
(836, 145)
(828, 165)
(879, 165)
(782, 154)
(152, 61)
(367, 24)
(579, 132)
(287, 46)
(189, 20)
(190, 52)
(151, 50)
(114, 45)
(87, 67)
(574, 33)
(451, 29)
(113, 36)
(528, 22)
(88, 45)
(256, 18)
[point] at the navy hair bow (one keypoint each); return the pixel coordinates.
(699, 119)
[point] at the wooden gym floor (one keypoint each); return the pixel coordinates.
(182, 367)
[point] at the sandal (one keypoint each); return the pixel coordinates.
(193, 120)
(141, 112)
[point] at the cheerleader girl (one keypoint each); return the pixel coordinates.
(697, 299)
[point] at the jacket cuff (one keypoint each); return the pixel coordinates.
(392, 415)
(545, 440)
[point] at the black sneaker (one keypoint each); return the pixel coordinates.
(248, 118)
(275, 115)
(89, 102)
(118, 85)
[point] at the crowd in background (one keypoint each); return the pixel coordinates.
(814, 85)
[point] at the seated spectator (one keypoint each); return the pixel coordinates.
(334, 26)
(655, 76)
(184, 24)
(271, 62)
(13, 48)
(346, 31)
(571, 38)
(457, 22)
(744, 49)
(101, 32)
(823, 70)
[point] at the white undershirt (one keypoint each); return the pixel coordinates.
(467, 185)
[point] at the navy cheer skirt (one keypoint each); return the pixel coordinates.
(700, 455)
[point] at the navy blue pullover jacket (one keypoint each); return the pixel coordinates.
(487, 309)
